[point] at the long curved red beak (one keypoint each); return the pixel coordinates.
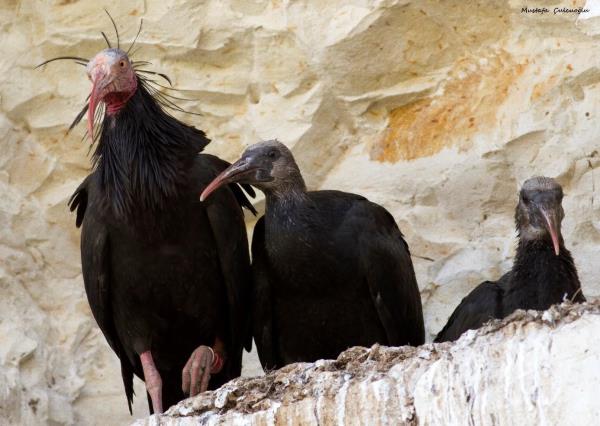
(92, 109)
(101, 78)
(230, 174)
(552, 225)
(95, 97)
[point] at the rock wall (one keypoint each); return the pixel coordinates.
(436, 109)
(538, 368)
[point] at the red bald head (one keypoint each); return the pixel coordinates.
(113, 82)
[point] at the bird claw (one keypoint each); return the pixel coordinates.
(196, 373)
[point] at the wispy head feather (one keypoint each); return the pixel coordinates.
(158, 91)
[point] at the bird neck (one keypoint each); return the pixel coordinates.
(143, 155)
(285, 201)
(540, 249)
(115, 102)
(540, 277)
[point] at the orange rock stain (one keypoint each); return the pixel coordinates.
(467, 104)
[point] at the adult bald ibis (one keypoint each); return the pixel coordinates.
(331, 269)
(166, 276)
(543, 272)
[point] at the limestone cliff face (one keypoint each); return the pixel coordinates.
(536, 368)
(438, 110)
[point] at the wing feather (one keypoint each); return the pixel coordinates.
(224, 209)
(478, 307)
(262, 315)
(391, 279)
(95, 254)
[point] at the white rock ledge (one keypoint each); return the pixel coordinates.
(534, 368)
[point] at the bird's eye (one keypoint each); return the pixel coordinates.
(272, 154)
(122, 64)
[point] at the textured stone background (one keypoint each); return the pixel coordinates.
(436, 109)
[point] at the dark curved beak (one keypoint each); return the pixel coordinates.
(233, 173)
(552, 226)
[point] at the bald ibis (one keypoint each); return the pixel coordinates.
(543, 272)
(167, 277)
(331, 269)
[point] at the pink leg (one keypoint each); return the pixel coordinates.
(153, 381)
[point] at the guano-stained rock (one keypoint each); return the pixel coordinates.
(532, 368)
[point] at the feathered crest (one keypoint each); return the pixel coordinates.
(146, 77)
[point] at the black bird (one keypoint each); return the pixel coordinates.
(331, 269)
(167, 277)
(543, 272)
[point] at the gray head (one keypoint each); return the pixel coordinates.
(268, 165)
(539, 212)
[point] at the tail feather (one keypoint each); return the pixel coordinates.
(127, 374)
(79, 201)
(241, 197)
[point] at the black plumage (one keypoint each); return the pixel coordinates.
(164, 273)
(543, 272)
(331, 269)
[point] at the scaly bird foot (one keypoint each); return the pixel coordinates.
(195, 376)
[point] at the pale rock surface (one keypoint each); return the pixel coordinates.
(535, 368)
(436, 109)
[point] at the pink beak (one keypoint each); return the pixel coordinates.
(553, 229)
(100, 81)
(230, 174)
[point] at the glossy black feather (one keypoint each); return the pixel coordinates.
(163, 272)
(262, 299)
(331, 270)
(538, 280)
